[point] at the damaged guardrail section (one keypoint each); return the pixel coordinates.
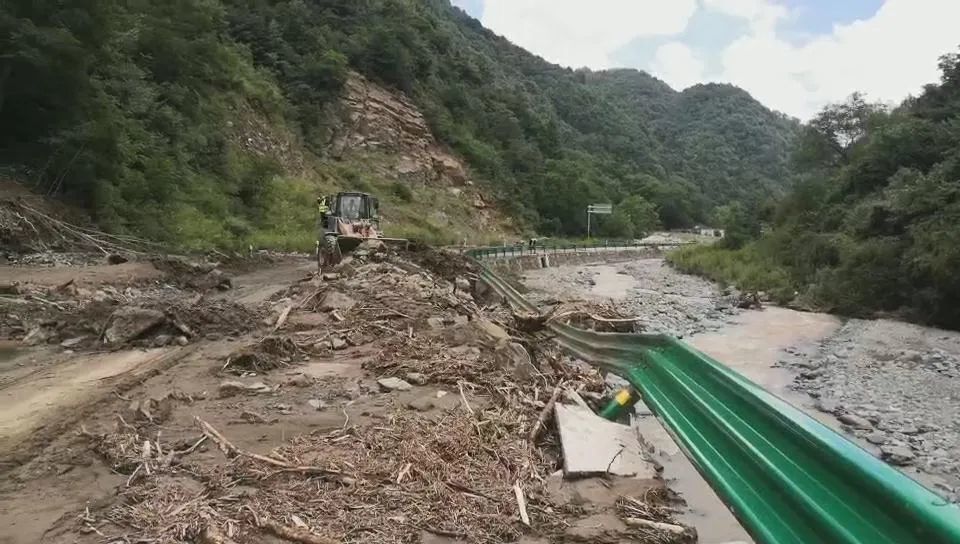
(788, 478)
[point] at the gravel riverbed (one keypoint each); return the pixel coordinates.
(665, 300)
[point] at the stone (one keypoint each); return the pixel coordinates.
(491, 330)
(317, 404)
(131, 322)
(876, 438)
(161, 340)
(462, 284)
(812, 374)
(827, 405)
(596, 528)
(515, 358)
(335, 300)
(72, 342)
(897, 455)
(338, 343)
(393, 384)
(416, 378)
(232, 387)
(435, 323)
(182, 341)
(589, 444)
(300, 380)
(330, 276)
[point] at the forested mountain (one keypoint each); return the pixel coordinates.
(873, 221)
(126, 108)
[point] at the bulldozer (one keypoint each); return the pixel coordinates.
(346, 220)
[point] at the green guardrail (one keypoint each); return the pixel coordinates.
(788, 478)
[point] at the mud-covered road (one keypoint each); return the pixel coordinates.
(892, 387)
(379, 402)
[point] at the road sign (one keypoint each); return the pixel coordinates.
(604, 209)
(599, 209)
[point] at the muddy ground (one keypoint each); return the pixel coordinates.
(188, 401)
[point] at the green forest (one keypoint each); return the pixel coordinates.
(871, 224)
(124, 109)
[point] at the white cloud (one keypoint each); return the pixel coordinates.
(888, 56)
(678, 65)
(763, 15)
(579, 33)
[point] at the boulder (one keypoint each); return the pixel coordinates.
(335, 300)
(130, 323)
(393, 384)
(416, 378)
(855, 421)
(515, 358)
(897, 455)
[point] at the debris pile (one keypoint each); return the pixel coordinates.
(456, 439)
(152, 315)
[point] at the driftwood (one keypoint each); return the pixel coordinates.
(294, 534)
(545, 414)
(232, 451)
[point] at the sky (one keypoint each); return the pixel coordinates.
(795, 56)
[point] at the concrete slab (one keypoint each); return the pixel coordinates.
(592, 445)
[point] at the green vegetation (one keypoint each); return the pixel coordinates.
(873, 221)
(131, 110)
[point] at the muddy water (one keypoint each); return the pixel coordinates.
(611, 284)
(752, 343)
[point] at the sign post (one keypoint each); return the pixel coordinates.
(599, 209)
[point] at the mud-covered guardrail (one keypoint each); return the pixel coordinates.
(788, 478)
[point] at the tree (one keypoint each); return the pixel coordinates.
(642, 214)
(842, 126)
(740, 225)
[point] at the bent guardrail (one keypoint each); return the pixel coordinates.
(788, 478)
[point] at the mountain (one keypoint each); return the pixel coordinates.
(211, 122)
(871, 225)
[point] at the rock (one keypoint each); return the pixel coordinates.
(182, 341)
(338, 343)
(416, 378)
(490, 329)
(231, 387)
(435, 323)
(300, 380)
(330, 276)
(514, 357)
(812, 374)
(855, 421)
(335, 300)
(129, 323)
(422, 404)
(161, 340)
(72, 342)
(37, 336)
(393, 384)
(897, 455)
(462, 284)
(116, 259)
(461, 320)
(876, 438)
(317, 404)
(827, 405)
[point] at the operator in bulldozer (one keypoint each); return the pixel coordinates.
(346, 220)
